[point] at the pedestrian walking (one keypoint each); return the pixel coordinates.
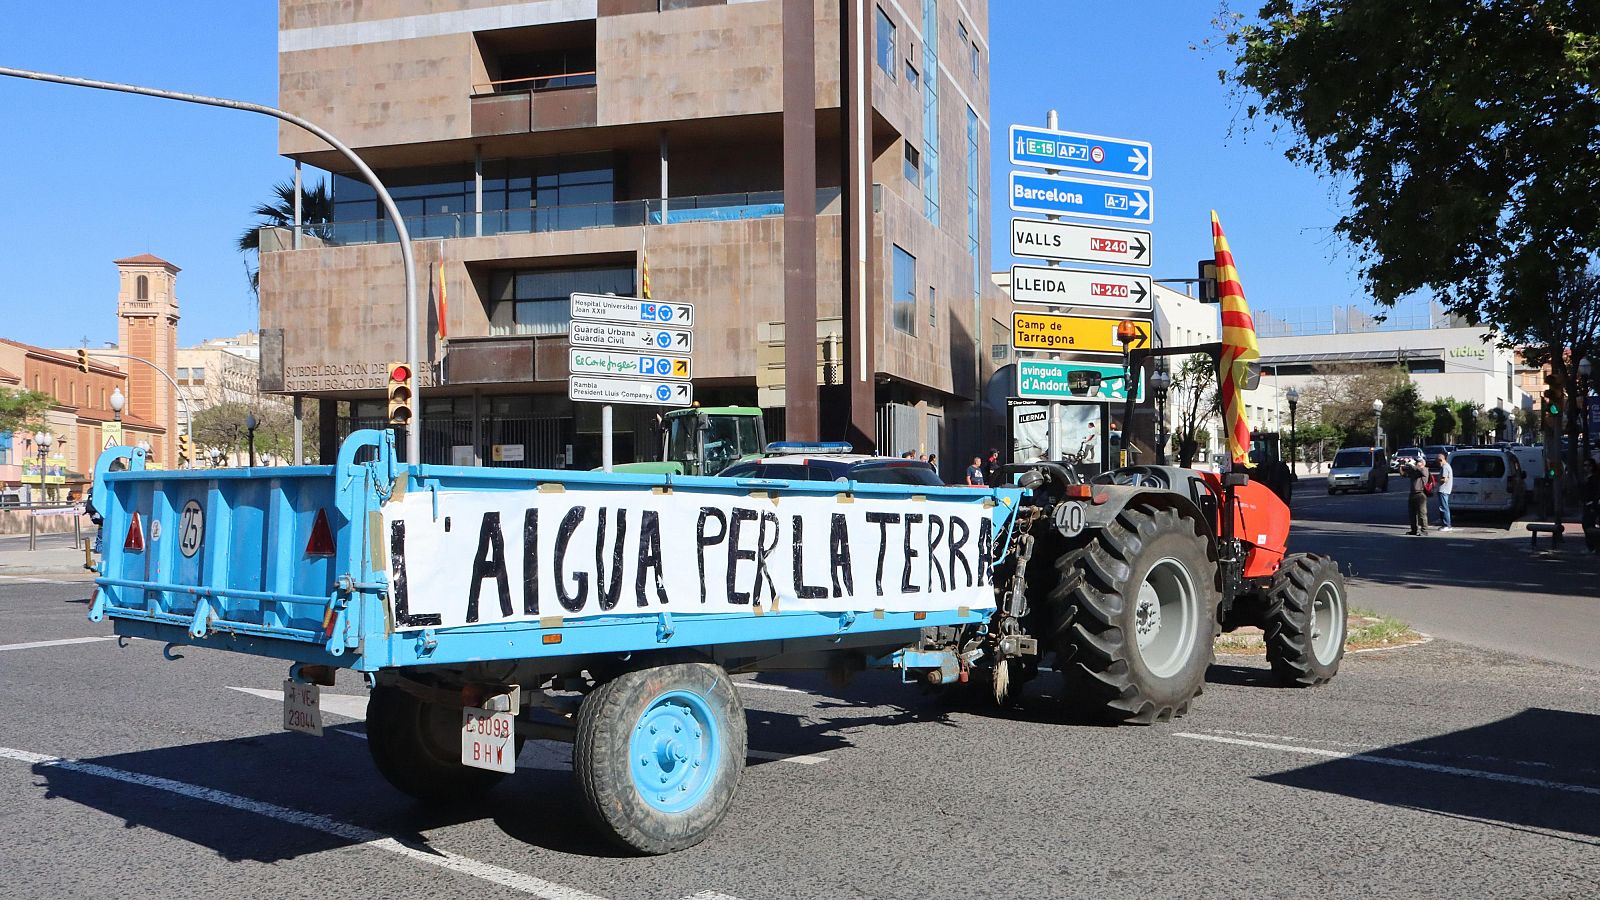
(975, 476)
(1417, 497)
(1447, 482)
(1591, 506)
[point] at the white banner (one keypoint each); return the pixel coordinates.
(509, 556)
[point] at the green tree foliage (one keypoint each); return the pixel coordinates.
(316, 209)
(1405, 417)
(20, 409)
(1473, 422)
(1194, 395)
(1445, 423)
(223, 427)
(1340, 397)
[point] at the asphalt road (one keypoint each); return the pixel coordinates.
(1481, 584)
(1445, 769)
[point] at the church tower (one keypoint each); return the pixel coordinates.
(147, 327)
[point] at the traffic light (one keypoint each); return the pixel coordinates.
(1551, 407)
(399, 394)
(83, 359)
(1207, 292)
(185, 449)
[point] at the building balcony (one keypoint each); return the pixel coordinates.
(544, 104)
(578, 217)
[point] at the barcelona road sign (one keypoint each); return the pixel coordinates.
(637, 338)
(631, 365)
(1081, 243)
(1048, 379)
(1084, 198)
(601, 389)
(1080, 287)
(1073, 334)
(1071, 151)
(631, 310)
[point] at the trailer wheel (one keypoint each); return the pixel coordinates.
(1135, 617)
(659, 753)
(1305, 621)
(417, 748)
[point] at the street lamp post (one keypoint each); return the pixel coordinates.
(117, 403)
(1377, 423)
(43, 440)
(1293, 396)
(251, 423)
(1160, 383)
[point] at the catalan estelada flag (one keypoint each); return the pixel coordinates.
(1238, 345)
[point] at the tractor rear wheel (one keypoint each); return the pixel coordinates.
(1134, 616)
(1305, 621)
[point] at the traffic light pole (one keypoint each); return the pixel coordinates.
(413, 327)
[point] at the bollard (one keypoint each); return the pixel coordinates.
(77, 532)
(33, 530)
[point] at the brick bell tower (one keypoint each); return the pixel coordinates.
(147, 327)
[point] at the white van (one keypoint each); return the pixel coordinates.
(1531, 459)
(1487, 480)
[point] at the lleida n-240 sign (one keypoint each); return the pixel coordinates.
(525, 555)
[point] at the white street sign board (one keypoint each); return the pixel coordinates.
(1081, 243)
(631, 310)
(1078, 287)
(637, 338)
(632, 365)
(601, 389)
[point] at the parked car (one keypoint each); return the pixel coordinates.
(1488, 480)
(1431, 452)
(825, 462)
(1531, 459)
(1359, 469)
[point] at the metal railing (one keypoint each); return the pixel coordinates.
(572, 217)
(1352, 319)
(536, 83)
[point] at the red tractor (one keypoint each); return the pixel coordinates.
(1128, 577)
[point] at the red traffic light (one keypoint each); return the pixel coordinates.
(399, 372)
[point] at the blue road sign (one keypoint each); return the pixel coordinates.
(664, 339)
(1074, 152)
(1082, 198)
(663, 393)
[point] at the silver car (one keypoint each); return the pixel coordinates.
(1487, 480)
(1359, 469)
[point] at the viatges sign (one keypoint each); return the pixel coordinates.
(489, 557)
(343, 376)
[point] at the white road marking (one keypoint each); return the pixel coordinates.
(350, 706)
(710, 895)
(433, 856)
(803, 759)
(1414, 751)
(756, 686)
(351, 732)
(61, 643)
(1400, 763)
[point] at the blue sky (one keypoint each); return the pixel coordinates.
(96, 176)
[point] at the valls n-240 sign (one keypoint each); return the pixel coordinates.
(481, 557)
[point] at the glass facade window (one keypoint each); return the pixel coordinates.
(930, 110)
(141, 288)
(933, 307)
(538, 301)
(913, 161)
(903, 301)
(545, 70)
(974, 217)
(884, 35)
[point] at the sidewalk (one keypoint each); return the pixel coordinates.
(59, 561)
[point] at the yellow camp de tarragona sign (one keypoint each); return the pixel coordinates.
(1072, 334)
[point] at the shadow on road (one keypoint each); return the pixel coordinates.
(1534, 770)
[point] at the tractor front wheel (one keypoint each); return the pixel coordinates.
(1134, 617)
(1305, 621)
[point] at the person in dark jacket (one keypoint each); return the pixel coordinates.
(1417, 479)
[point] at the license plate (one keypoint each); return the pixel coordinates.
(302, 708)
(488, 740)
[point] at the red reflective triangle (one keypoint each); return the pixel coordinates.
(135, 538)
(321, 543)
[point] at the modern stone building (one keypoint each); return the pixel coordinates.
(541, 148)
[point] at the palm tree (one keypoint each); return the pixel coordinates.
(316, 208)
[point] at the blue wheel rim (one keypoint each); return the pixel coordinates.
(675, 751)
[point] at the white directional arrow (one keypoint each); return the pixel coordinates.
(1137, 157)
(1138, 203)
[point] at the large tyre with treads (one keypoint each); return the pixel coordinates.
(1305, 620)
(1134, 616)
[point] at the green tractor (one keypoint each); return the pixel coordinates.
(704, 440)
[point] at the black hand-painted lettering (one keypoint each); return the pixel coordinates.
(530, 562)
(844, 583)
(883, 521)
(702, 540)
(906, 587)
(609, 592)
(735, 554)
(570, 602)
(397, 585)
(935, 535)
(649, 556)
(985, 549)
(490, 562)
(956, 543)
(769, 521)
(801, 589)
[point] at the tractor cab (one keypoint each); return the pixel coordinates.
(704, 440)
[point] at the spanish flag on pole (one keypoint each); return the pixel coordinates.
(1238, 345)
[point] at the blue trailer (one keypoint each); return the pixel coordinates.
(483, 606)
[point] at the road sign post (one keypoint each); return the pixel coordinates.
(629, 350)
(1083, 198)
(1072, 151)
(1080, 287)
(1065, 242)
(1059, 333)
